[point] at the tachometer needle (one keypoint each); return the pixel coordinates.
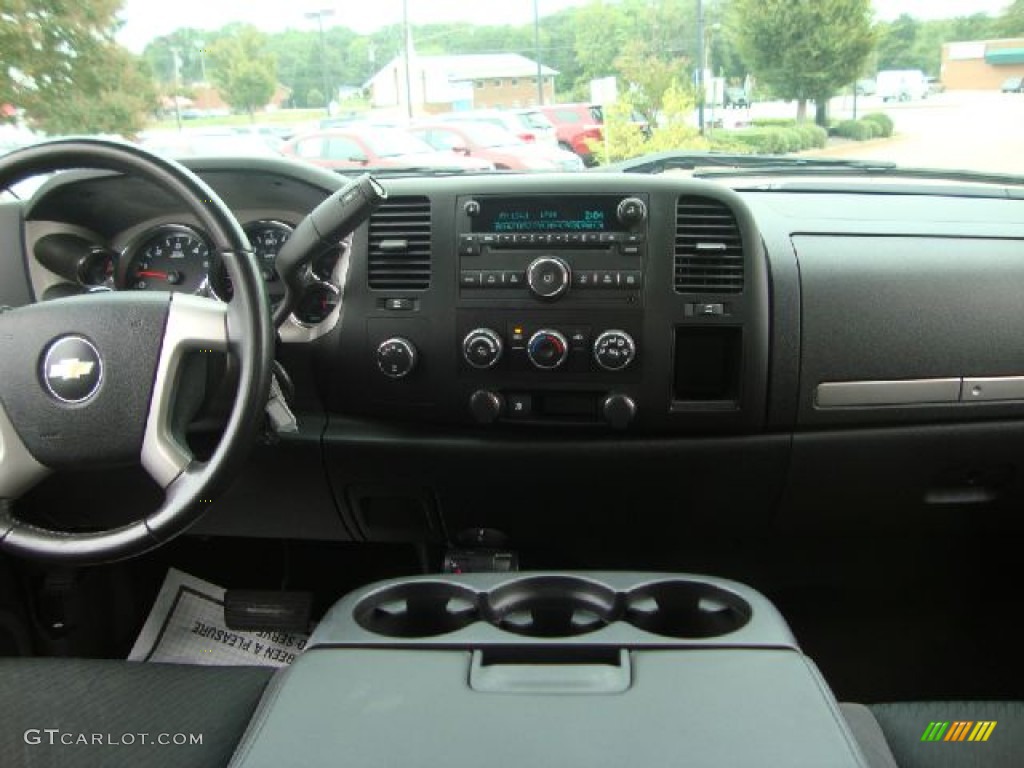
(152, 273)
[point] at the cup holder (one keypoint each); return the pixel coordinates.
(686, 609)
(418, 609)
(551, 606)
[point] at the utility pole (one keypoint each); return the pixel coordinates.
(319, 16)
(408, 59)
(177, 106)
(701, 90)
(536, 54)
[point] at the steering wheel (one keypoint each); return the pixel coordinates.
(97, 380)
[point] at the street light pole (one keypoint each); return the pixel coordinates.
(700, 66)
(408, 59)
(177, 106)
(319, 16)
(536, 54)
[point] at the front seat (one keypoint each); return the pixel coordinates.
(87, 712)
(905, 734)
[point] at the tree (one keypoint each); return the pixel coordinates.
(1011, 23)
(804, 49)
(897, 42)
(63, 68)
(649, 78)
(243, 71)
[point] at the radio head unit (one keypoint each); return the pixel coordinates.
(547, 213)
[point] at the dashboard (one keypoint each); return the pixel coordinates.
(535, 353)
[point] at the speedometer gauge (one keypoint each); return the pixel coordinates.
(169, 258)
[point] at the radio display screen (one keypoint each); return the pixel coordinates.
(576, 213)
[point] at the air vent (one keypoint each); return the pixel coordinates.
(400, 245)
(709, 249)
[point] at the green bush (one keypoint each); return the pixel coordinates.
(811, 136)
(883, 121)
(773, 122)
(858, 130)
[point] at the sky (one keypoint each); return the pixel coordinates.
(146, 19)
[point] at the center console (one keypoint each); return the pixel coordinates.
(587, 669)
(581, 301)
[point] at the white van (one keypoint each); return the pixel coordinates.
(901, 84)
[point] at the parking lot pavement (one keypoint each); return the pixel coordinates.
(972, 130)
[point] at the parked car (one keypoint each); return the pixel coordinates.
(866, 87)
(935, 85)
(736, 97)
(1012, 85)
(576, 125)
(489, 142)
(528, 124)
(360, 147)
(902, 85)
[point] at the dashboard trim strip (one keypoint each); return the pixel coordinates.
(845, 394)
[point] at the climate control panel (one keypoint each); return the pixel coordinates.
(543, 347)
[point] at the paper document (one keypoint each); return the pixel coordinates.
(186, 626)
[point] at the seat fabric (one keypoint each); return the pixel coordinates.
(904, 724)
(87, 712)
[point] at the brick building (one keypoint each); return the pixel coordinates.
(470, 81)
(981, 65)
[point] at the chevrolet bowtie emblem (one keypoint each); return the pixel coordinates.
(71, 369)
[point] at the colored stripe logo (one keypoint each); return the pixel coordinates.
(959, 730)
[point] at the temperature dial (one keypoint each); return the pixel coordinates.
(614, 350)
(547, 349)
(482, 348)
(396, 357)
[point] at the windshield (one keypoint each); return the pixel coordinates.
(488, 135)
(935, 84)
(387, 143)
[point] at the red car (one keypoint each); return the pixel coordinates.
(576, 124)
(489, 142)
(375, 148)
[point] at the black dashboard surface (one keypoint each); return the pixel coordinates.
(741, 403)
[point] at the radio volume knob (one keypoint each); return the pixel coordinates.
(548, 277)
(547, 349)
(482, 348)
(632, 210)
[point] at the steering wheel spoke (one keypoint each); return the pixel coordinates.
(19, 470)
(194, 325)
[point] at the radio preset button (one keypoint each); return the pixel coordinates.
(547, 349)
(631, 250)
(469, 278)
(514, 279)
(482, 348)
(491, 278)
(584, 278)
(631, 279)
(548, 277)
(506, 239)
(614, 350)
